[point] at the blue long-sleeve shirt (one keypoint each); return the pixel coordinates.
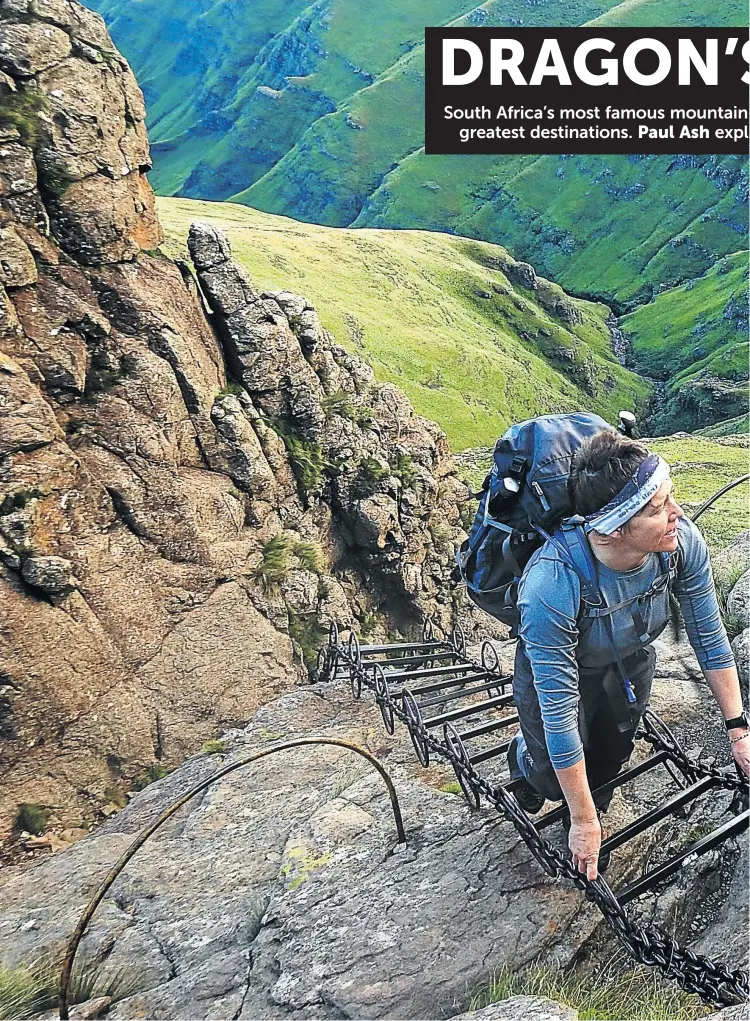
(558, 641)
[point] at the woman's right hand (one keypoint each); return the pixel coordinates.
(585, 840)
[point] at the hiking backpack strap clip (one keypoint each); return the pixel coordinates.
(572, 543)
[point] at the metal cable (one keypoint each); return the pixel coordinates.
(143, 836)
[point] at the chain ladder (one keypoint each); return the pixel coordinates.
(648, 944)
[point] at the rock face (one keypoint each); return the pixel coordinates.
(522, 1008)
(282, 891)
(195, 480)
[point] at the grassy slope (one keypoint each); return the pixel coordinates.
(689, 328)
(622, 228)
(329, 174)
(339, 140)
(408, 302)
(188, 58)
(685, 13)
(697, 335)
(613, 226)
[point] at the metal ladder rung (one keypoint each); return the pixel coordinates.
(732, 828)
(452, 696)
(408, 660)
(408, 646)
(487, 728)
(643, 822)
(444, 685)
(491, 753)
(622, 778)
(463, 714)
(436, 671)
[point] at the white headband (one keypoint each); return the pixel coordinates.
(633, 496)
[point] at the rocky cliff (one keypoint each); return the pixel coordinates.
(195, 480)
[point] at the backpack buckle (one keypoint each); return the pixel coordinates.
(517, 468)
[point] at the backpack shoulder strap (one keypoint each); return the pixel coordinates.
(573, 544)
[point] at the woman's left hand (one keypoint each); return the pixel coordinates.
(741, 754)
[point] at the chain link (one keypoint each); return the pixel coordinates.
(695, 973)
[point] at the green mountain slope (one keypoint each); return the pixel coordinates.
(446, 318)
(616, 227)
(685, 13)
(316, 112)
(696, 337)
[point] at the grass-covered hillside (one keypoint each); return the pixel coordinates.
(316, 112)
(696, 337)
(620, 228)
(472, 347)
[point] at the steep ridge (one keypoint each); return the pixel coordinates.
(475, 339)
(195, 479)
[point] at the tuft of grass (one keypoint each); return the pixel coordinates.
(370, 474)
(26, 990)
(305, 456)
(454, 787)
(154, 772)
(232, 389)
(403, 467)
(641, 993)
(215, 747)
(310, 556)
(32, 818)
(368, 624)
(696, 833)
(337, 403)
(725, 578)
(21, 110)
(275, 562)
(307, 463)
(100, 379)
(29, 989)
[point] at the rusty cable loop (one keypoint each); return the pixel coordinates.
(143, 836)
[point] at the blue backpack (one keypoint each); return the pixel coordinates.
(525, 503)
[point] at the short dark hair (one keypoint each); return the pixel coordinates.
(601, 467)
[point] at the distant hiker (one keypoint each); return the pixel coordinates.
(578, 718)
